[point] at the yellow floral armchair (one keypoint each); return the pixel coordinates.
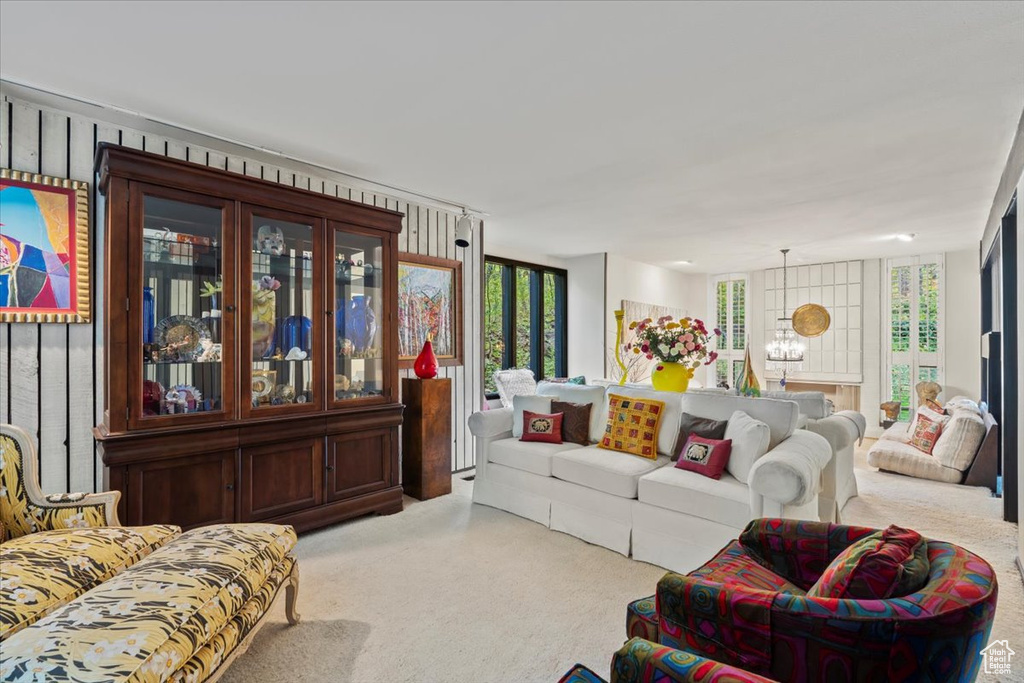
(24, 509)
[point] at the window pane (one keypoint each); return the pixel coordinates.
(722, 314)
(739, 314)
(928, 308)
(927, 374)
(549, 326)
(522, 318)
(494, 339)
(900, 295)
(721, 371)
(900, 379)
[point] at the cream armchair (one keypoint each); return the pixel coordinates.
(24, 509)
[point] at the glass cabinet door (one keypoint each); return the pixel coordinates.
(360, 332)
(282, 312)
(182, 302)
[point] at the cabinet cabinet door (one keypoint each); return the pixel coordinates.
(361, 350)
(280, 478)
(181, 308)
(189, 492)
(358, 463)
(282, 321)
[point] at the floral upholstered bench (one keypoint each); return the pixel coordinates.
(82, 599)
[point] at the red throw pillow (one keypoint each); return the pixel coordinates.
(705, 456)
(541, 427)
(926, 433)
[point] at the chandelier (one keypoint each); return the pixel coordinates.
(785, 352)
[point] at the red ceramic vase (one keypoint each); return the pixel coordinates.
(425, 366)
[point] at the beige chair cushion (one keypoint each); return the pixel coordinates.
(960, 439)
(896, 456)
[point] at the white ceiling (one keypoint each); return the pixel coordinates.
(713, 132)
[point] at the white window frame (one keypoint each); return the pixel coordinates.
(730, 354)
(914, 357)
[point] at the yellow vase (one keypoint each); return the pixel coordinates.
(671, 377)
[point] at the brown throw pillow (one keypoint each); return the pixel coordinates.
(700, 426)
(575, 421)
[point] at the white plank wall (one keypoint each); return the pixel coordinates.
(51, 375)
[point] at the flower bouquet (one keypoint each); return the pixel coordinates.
(680, 346)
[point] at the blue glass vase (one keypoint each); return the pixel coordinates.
(361, 322)
(148, 315)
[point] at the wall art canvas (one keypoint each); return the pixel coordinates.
(44, 249)
(638, 368)
(429, 305)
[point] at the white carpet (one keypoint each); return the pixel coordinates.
(451, 591)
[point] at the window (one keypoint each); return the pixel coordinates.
(730, 307)
(524, 319)
(915, 288)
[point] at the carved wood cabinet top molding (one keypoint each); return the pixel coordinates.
(247, 326)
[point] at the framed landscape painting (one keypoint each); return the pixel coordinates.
(429, 305)
(44, 249)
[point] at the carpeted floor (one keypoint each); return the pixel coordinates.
(451, 591)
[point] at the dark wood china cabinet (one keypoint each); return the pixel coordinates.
(250, 348)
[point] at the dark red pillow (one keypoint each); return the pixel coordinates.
(705, 456)
(542, 427)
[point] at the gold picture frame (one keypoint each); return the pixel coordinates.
(50, 197)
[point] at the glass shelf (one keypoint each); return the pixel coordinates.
(359, 319)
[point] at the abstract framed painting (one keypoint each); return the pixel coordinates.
(429, 306)
(44, 249)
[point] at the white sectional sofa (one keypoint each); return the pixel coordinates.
(648, 508)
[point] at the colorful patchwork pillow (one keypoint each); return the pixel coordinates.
(887, 564)
(575, 421)
(633, 426)
(701, 426)
(926, 433)
(705, 456)
(542, 427)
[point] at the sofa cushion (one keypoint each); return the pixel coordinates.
(146, 622)
(542, 427)
(750, 439)
(960, 439)
(886, 564)
(575, 420)
(574, 393)
(780, 416)
(926, 433)
(633, 425)
(896, 456)
(701, 426)
(899, 431)
(706, 457)
(42, 571)
(526, 456)
(520, 404)
(603, 470)
(725, 500)
(668, 427)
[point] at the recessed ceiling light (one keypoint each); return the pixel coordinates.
(684, 263)
(906, 237)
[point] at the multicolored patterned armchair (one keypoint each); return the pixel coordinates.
(747, 607)
(641, 661)
(23, 507)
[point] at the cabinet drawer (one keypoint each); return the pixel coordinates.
(190, 492)
(358, 463)
(280, 478)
